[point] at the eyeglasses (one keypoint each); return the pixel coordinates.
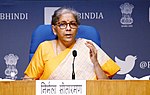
(63, 25)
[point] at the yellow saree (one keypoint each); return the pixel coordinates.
(46, 65)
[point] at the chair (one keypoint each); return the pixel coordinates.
(44, 32)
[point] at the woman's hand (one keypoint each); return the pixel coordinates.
(93, 52)
(93, 55)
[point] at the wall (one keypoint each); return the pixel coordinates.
(125, 36)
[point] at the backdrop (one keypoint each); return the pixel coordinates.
(124, 27)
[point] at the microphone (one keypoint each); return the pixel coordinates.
(74, 53)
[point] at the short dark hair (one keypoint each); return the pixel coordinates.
(63, 10)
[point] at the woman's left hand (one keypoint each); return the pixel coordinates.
(93, 52)
(93, 55)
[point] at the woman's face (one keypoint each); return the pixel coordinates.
(66, 28)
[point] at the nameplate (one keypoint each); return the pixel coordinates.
(60, 87)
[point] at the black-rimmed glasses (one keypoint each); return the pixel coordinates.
(63, 25)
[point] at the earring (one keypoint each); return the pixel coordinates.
(55, 34)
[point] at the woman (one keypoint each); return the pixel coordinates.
(52, 59)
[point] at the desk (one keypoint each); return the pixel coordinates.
(99, 87)
(118, 87)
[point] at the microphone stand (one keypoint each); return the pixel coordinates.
(74, 53)
(73, 73)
